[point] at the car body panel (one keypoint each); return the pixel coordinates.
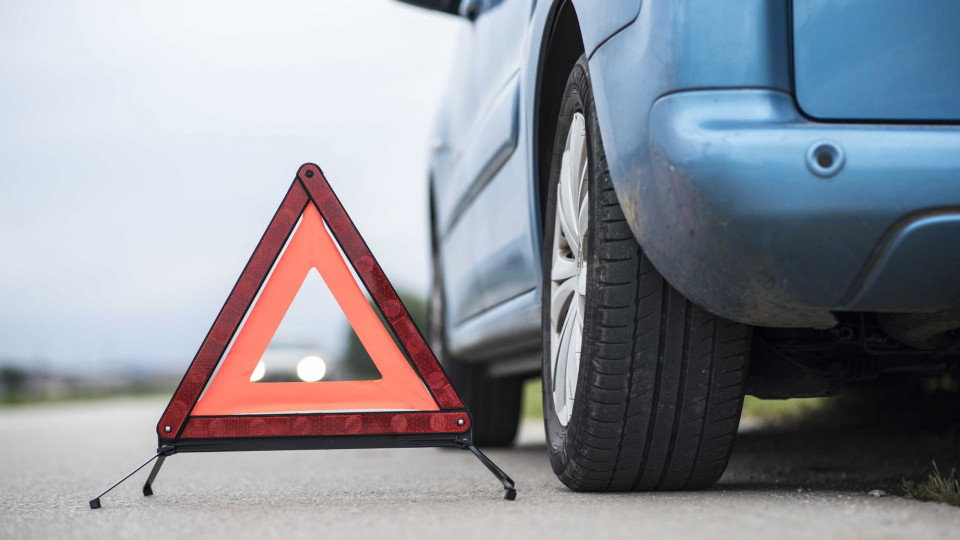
(916, 266)
(877, 59)
(489, 56)
(601, 19)
(476, 138)
(753, 234)
(502, 264)
(491, 146)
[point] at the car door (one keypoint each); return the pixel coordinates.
(481, 201)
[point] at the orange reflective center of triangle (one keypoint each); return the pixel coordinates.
(231, 392)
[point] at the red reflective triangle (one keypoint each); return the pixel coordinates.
(216, 399)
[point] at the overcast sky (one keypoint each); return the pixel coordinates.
(145, 145)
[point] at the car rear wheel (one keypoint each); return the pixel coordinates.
(493, 402)
(642, 390)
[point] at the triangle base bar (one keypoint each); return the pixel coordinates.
(461, 441)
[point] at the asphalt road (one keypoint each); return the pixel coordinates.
(782, 482)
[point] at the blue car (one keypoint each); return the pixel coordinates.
(660, 206)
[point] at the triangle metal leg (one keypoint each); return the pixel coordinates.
(508, 485)
(148, 485)
(161, 453)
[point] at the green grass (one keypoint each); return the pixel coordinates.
(532, 404)
(781, 410)
(935, 488)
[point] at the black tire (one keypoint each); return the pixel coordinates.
(660, 384)
(493, 402)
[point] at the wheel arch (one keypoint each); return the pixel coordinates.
(561, 46)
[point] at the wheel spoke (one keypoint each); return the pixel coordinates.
(563, 268)
(583, 170)
(559, 302)
(577, 144)
(570, 181)
(583, 220)
(567, 212)
(560, 370)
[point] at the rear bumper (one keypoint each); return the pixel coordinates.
(737, 217)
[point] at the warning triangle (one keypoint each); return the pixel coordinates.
(220, 404)
(311, 234)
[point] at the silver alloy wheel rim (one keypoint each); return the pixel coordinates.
(568, 273)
